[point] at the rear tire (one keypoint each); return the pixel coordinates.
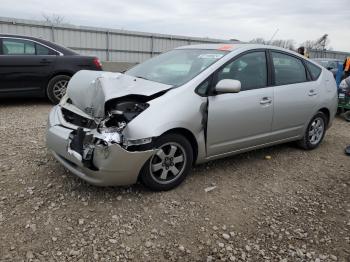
(57, 87)
(315, 132)
(168, 167)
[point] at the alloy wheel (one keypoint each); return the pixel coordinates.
(60, 88)
(168, 163)
(316, 131)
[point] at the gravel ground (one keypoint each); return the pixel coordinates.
(275, 204)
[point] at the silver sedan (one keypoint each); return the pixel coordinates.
(188, 106)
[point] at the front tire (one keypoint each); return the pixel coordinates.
(170, 165)
(57, 87)
(315, 132)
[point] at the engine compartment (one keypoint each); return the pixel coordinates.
(119, 114)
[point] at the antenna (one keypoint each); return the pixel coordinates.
(274, 34)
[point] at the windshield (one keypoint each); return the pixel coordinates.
(177, 66)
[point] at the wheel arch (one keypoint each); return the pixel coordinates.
(59, 73)
(327, 113)
(62, 72)
(189, 136)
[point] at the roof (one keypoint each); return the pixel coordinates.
(239, 45)
(232, 46)
(222, 46)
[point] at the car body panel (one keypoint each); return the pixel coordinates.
(19, 73)
(243, 113)
(100, 87)
(219, 125)
(297, 103)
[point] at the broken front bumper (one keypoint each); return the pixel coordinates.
(112, 164)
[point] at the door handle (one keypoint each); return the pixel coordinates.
(266, 100)
(312, 92)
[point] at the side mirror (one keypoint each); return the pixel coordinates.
(329, 68)
(228, 86)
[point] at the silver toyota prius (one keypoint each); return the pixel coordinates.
(188, 106)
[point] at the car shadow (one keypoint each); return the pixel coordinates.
(198, 172)
(20, 101)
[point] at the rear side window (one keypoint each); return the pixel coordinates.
(315, 71)
(288, 69)
(17, 47)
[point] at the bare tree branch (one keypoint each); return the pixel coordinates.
(53, 19)
(288, 44)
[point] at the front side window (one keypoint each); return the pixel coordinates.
(250, 69)
(203, 88)
(177, 66)
(288, 69)
(17, 47)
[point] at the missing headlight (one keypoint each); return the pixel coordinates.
(120, 114)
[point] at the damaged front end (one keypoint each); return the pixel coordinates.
(93, 146)
(106, 131)
(99, 155)
(119, 113)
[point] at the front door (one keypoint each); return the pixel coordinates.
(241, 120)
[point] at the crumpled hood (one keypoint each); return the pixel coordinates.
(90, 90)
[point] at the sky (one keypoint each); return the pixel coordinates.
(299, 20)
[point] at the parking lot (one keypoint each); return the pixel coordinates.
(275, 204)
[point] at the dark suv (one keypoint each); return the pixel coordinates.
(35, 67)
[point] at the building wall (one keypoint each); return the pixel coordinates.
(328, 54)
(107, 44)
(116, 45)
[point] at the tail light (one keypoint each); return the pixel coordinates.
(97, 63)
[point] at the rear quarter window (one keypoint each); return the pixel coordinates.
(42, 50)
(314, 70)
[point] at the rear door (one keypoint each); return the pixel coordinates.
(24, 65)
(295, 95)
(241, 120)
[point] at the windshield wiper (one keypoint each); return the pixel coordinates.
(144, 78)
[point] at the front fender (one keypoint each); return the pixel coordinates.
(175, 109)
(136, 131)
(199, 135)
